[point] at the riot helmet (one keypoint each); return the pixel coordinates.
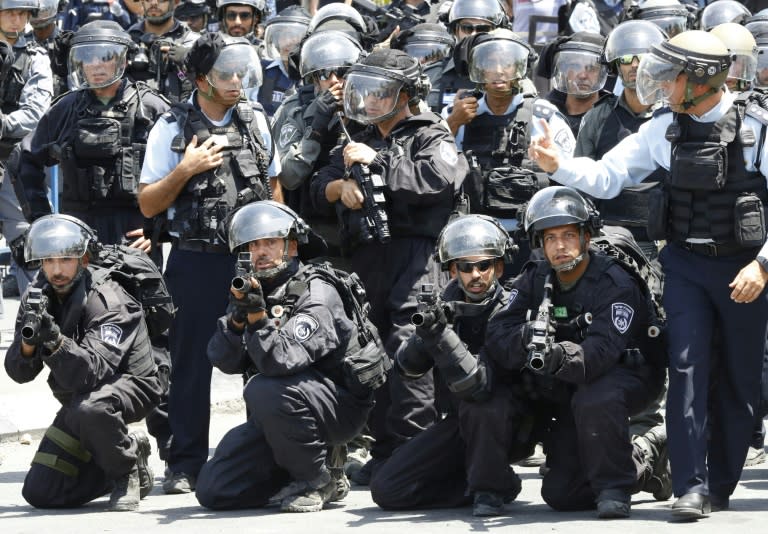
(46, 14)
(487, 10)
(13, 28)
(757, 24)
(427, 42)
(337, 12)
(328, 51)
(761, 73)
(499, 55)
(629, 40)
(191, 9)
(560, 206)
(372, 87)
(258, 7)
(220, 58)
(267, 219)
(721, 11)
(700, 55)
(670, 16)
(98, 55)
(26, 5)
(284, 32)
(579, 68)
(58, 236)
(743, 47)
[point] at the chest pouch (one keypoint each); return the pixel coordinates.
(506, 189)
(97, 138)
(698, 166)
(749, 220)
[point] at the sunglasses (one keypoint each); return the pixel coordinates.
(242, 15)
(326, 74)
(469, 266)
(472, 28)
(628, 59)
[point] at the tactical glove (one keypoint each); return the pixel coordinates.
(325, 107)
(49, 334)
(252, 302)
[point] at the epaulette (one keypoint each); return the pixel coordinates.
(662, 111)
(757, 111)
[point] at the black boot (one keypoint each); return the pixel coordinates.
(125, 494)
(653, 444)
(143, 450)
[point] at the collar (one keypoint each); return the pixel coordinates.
(720, 109)
(482, 105)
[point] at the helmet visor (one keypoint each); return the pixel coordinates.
(670, 24)
(761, 70)
(579, 73)
(281, 38)
(327, 50)
(743, 66)
(369, 98)
(498, 61)
(428, 53)
(55, 239)
(237, 68)
(96, 65)
(656, 79)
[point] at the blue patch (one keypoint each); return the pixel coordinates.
(304, 326)
(512, 296)
(621, 315)
(111, 334)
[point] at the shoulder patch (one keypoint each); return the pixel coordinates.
(757, 112)
(448, 153)
(304, 326)
(543, 109)
(621, 316)
(286, 135)
(111, 334)
(512, 296)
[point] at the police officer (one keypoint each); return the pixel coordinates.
(494, 126)
(81, 12)
(670, 16)
(44, 31)
(428, 42)
(435, 468)
(290, 329)
(283, 34)
(163, 41)
(574, 334)
(241, 18)
(194, 13)
(577, 71)
(743, 48)
(415, 172)
(93, 338)
(204, 157)
(307, 125)
(714, 261)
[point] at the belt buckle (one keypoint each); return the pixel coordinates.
(711, 249)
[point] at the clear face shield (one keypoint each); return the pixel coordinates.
(579, 73)
(281, 38)
(54, 239)
(669, 24)
(236, 69)
(656, 79)
(370, 98)
(761, 67)
(743, 65)
(427, 52)
(96, 65)
(498, 61)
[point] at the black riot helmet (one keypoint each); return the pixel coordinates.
(757, 24)
(578, 54)
(219, 57)
(631, 38)
(372, 87)
(338, 12)
(58, 236)
(670, 16)
(284, 32)
(259, 9)
(499, 55)
(46, 14)
(488, 10)
(100, 43)
(328, 51)
(722, 11)
(428, 42)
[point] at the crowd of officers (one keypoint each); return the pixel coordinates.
(385, 220)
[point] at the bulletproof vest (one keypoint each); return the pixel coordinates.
(709, 186)
(101, 161)
(445, 85)
(273, 89)
(242, 178)
(630, 208)
(161, 74)
(12, 85)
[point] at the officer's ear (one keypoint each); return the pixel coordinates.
(498, 268)
(293, 248)
(85, 260)
(452, 270)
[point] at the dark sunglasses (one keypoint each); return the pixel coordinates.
(469, 266)
(242, 15)
(628, 59)
(325, 74)
(472, 28)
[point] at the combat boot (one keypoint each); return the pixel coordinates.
(125, 494)
(146, 474)
(336, 460)
(654, 447)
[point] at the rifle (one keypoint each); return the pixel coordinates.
(243, 270)
(431, 308)
(37, 303)
(542, 339)
(374, 223)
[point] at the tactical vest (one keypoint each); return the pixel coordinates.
(11, 87)
(101, 161)
(274, 88)
(242, 178)
(711, 195)
(630, 208)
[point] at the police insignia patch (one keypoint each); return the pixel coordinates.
(621, 315)
(304, 326)
(111, 334)
(564, 141)
(512, 296)
(448, 153)
(286, 134)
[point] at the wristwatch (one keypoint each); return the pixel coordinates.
(763, 261)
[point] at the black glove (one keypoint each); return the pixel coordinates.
(326, 106)
(553, 360)
(431, 334)
(252, 302)
(177, 54)
(48, 334)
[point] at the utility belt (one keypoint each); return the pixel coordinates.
(199, 246)
(717, 249)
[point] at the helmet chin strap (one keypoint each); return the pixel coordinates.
(475, 297)
(10, 35)
(266, 274)
(571, 265)
(691, 101)
(161, 19)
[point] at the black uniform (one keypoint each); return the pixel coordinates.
(99, 149)
(445, 82)
(591, 396)
(104, 376)
(435, 468)
(298, 403)
(422, 172)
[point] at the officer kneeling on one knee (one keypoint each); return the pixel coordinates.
(289, 328)
(575, 328)
(443, 465)
(93, 338)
